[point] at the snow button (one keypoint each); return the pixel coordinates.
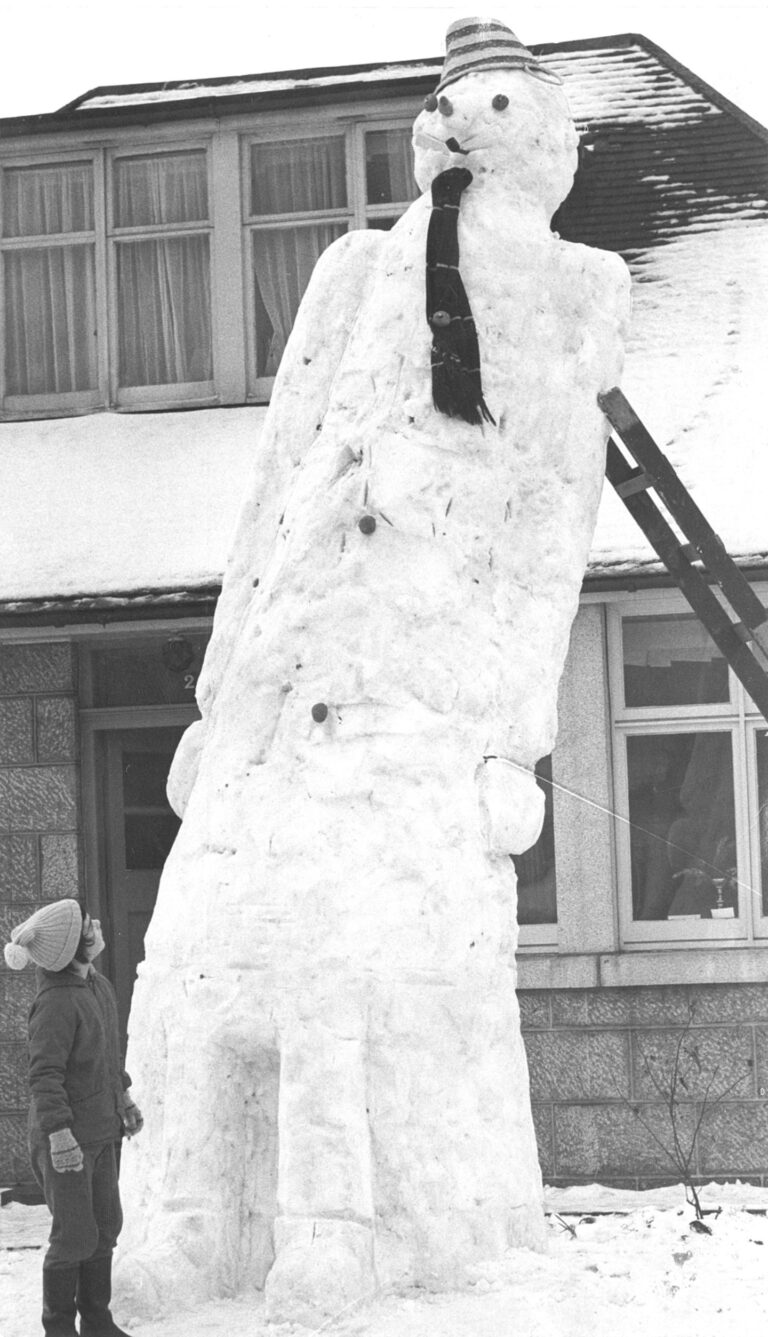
(319, 712)
(440, 319)
(367, 524)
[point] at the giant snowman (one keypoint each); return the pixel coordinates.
(325, 1031)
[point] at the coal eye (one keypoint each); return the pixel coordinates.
(500, 101)
(430, 103)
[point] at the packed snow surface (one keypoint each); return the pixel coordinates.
(637, 1271)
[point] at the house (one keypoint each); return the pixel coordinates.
(166, 233)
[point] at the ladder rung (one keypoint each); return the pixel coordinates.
(690, 551)
(744, 634)
(639, 482)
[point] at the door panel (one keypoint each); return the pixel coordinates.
(139, 830)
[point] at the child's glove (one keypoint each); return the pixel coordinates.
(66, 1152)
(132, 1118)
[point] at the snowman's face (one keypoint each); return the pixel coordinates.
(509, 124)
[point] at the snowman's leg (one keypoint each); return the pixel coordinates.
(457, 1171)
(200, 1182)
(324, 1230)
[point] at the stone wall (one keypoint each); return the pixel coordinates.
(40, 858)
(589, 1054)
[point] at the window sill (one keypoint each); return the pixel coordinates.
(719, 965)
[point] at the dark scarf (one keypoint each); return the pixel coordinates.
(456, 387)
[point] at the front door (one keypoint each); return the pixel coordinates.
(139, 828)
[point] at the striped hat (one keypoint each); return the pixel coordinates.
(49, 937)
(474, 45)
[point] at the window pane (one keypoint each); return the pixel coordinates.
(536, 881)
(283, 260)
(40, 201)
(157, 672)
(148, 838)
(761, 744)
(163, 188)
(682, 825)
(389, 166)
(50, 320)
(164, 311)
(298, 176)
(671, 661)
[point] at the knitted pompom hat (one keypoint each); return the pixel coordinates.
(49, 937)
(475, 45)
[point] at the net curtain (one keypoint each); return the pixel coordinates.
(299, 176)
(50, 299)
(163, 283)
(304, 176)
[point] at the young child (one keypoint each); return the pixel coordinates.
(80, 1107)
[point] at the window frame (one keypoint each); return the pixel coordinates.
(738, 717)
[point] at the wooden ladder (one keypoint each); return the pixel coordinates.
(741, 635)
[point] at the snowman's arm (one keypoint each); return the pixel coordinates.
(297, 409)
(511, 802)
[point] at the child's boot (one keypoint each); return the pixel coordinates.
(94, 1292)
(59, 1287)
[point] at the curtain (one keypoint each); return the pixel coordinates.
(298, 176)
(50, 304)
(50, 320)
(163, 283)
(164, 311)
(43, 201)
(164, 188)
(283, 260)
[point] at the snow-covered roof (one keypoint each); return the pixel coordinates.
(614, 79)
(120, 502)
(610, 80)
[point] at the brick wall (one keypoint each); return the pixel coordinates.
(39, 845)
(588, 1054)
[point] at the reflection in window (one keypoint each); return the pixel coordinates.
(536, 881)
(671, 661)
(682, 825)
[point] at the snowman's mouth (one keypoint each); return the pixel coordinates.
(455, 146)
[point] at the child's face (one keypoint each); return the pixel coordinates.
(95, 944)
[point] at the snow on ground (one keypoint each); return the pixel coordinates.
(631, 1265)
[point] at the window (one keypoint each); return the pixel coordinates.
(691, 763)
(535, 869)
(49, 284)
(299, 196)
(155, 275)
(160, 237)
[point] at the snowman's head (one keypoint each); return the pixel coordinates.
(502, 116)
